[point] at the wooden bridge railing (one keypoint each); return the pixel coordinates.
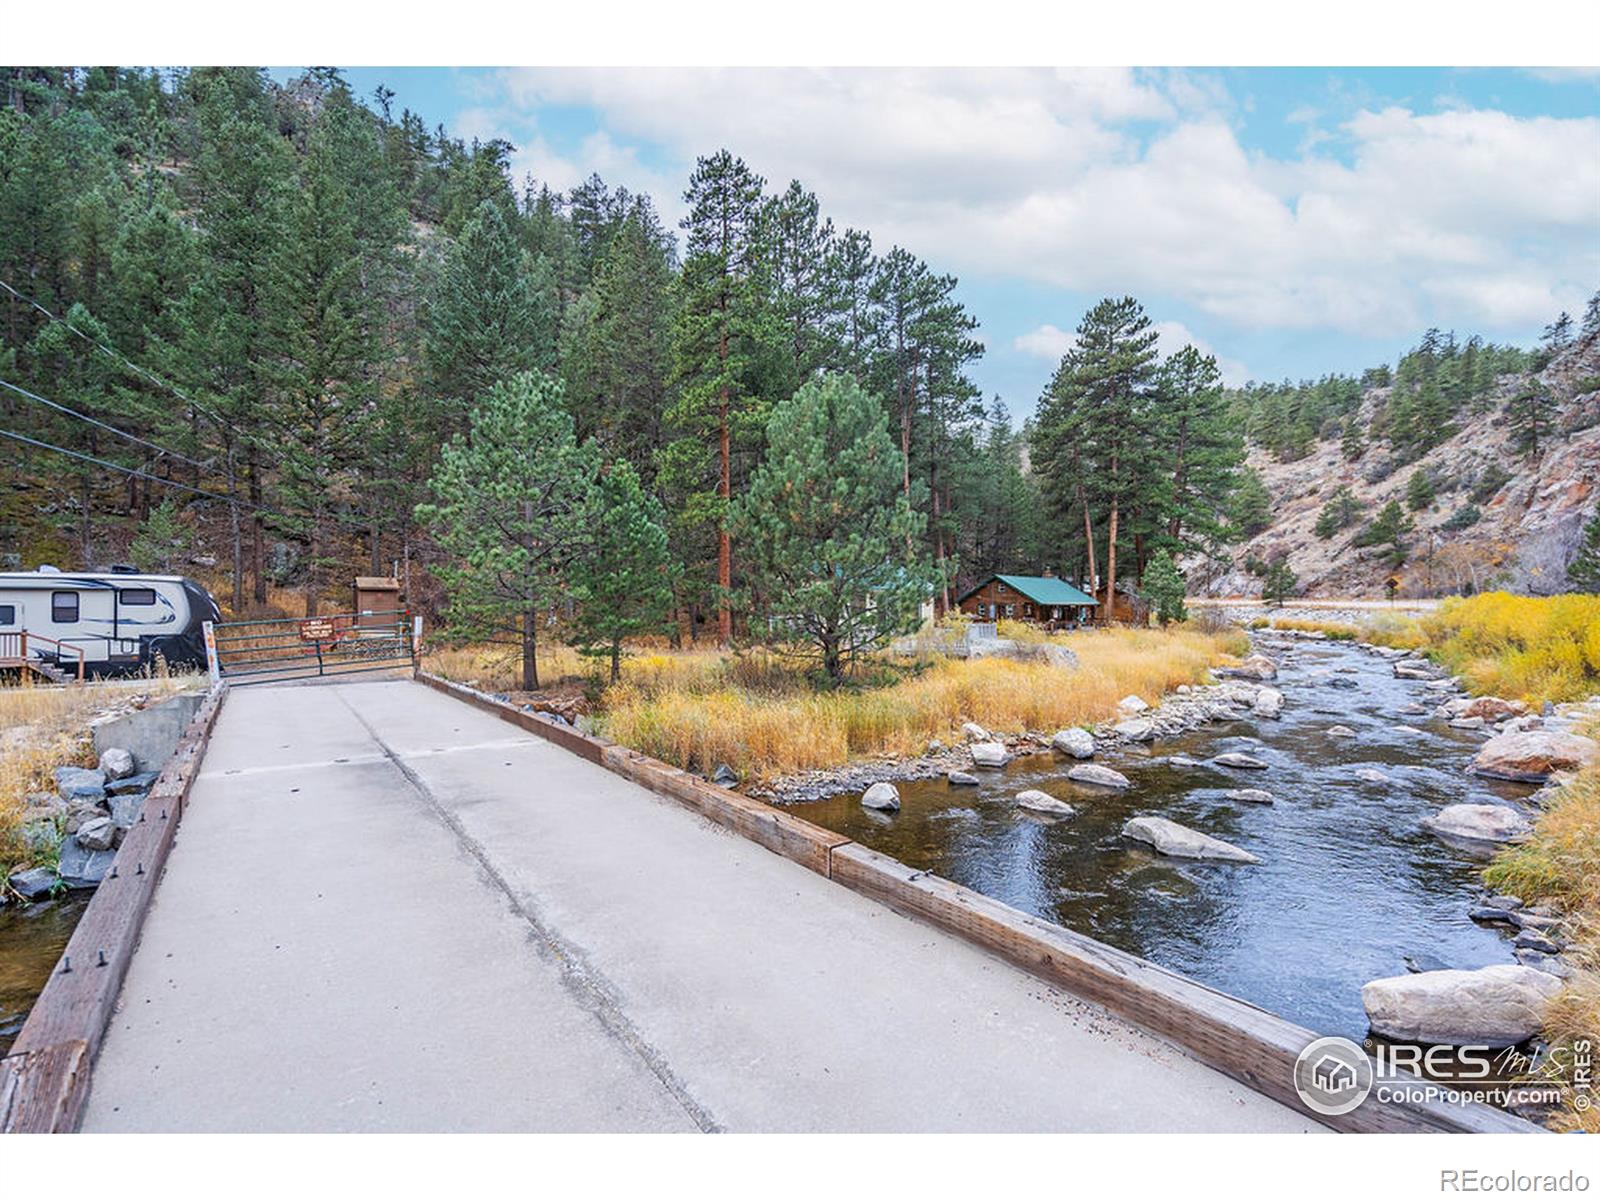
(14, 650)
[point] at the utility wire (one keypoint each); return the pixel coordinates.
(122, 433)
(136, 473)
(107, 350)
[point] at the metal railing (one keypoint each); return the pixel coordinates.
(280, 648)
(14, 650)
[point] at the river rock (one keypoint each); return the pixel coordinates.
(80, 783)
(80, 813)
(1135, 731)
(882, 797)
(1269, 703)
(1413, 710)
(1493, 708)
(34, 883)
(1179, 841)
(1550, 964)
(1466, 723)
(725, 776)
(1371, 775)
(1490, 914)
(1415, 669)
(1493, 1006)
(1533, 755)
(1535, 939)
(990, 754)
(935, 746)
(1099, 776)
(125, 809)
(1257, 666)
(1348, 685)
(1042, 802)
(961, 779)
(1132, 705)
(1477, 823)
(1248, 795)
(99, 834)
(1527, 918)
(975, 732)
(1341, 731)
(1183, 761)
(81, 867)
(1079, 743)
(1504, 900)
(1245, 762)
(116, 763)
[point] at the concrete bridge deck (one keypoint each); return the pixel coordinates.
(388, 911)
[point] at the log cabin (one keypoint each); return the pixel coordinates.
(1036, 599)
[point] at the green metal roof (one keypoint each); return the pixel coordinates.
(1042, 589)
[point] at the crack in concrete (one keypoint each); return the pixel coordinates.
(597, 994)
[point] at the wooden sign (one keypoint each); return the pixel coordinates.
(317, 629)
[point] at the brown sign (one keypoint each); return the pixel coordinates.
(317, 629)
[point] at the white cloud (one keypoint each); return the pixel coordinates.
(1120, 181)
(1050, 342)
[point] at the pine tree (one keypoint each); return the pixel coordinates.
(1388, 528)
(162, 539)
(513, 502)
(1584, 571)
(801, 242)
(623, 575)
(1199, 448)
(1340, 512)
(724, 342)
(492, 317)
(1353, 440)
(1531, 414)
(1250, 506)
(831, 541)
(1165, 586)
(1419, 489)
(1279, 581)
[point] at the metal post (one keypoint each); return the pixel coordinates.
(416, 635)
(211, 652)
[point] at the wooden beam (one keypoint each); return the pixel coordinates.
(76, 1004)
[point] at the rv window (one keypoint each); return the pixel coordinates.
(136, 596)
(8, 614)
(63, 607)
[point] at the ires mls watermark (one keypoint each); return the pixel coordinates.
(1334, 1075)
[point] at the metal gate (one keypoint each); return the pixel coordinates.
(271, 650)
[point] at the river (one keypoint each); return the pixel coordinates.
(32, 937)
(1349, 885)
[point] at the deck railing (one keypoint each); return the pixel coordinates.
(21, 649)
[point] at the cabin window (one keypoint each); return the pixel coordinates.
(63, 607)
(1027, 610)
(135, 596)
(8, 614)
(1000, 588)
(1009, 610)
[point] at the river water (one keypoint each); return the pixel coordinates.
(32, 937)
(1349, 885)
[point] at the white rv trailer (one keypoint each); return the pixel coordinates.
(118, 619)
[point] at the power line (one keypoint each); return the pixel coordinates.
(122, 433)
(104, 349)
(136, 473)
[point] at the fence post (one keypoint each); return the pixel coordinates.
(416, 635)
(212, 664)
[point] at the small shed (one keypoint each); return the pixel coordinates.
(377, 601)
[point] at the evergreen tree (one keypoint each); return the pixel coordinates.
(162, 539)
(1419, 489)
(831, 540)
(1584, 571)
(623, 573)
(1165, 586)
(1201, 451)
(513, 502)
(1531, 414)
(492, 317)
(1340, 512)
(1388, 528)
(1353, 441)
(725, 337)
(1279, 581)
(1250, 506)
(801, 242)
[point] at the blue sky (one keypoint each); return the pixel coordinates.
(1290, 221)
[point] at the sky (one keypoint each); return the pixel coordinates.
(1291, 221)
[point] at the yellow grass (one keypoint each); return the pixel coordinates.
(1532, 648)
(697, 715)
(43, 727)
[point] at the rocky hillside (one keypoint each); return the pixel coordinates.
(1496, 519)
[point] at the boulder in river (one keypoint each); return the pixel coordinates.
(1533, 755)
(1493, 708)
(1245, 762)
(1371, 775)
(1492, 1006)
(1183, 761)
(1550, 964)
(1042, 802)
(116, 763)
(882, 797)
(1478, 823)
(1079, 743)
(1136, 730)
(1248, 795)
(1132, 705)
(1179, 841)
(961, 779)
(1415, 669)
(1099, 776)
(1536, 939)
(1348, 685)
(34, 883)
(1341, 731)
(1466, 722)
(1268, 703)
(975, 732)
(990, 754)
(1257, 666)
